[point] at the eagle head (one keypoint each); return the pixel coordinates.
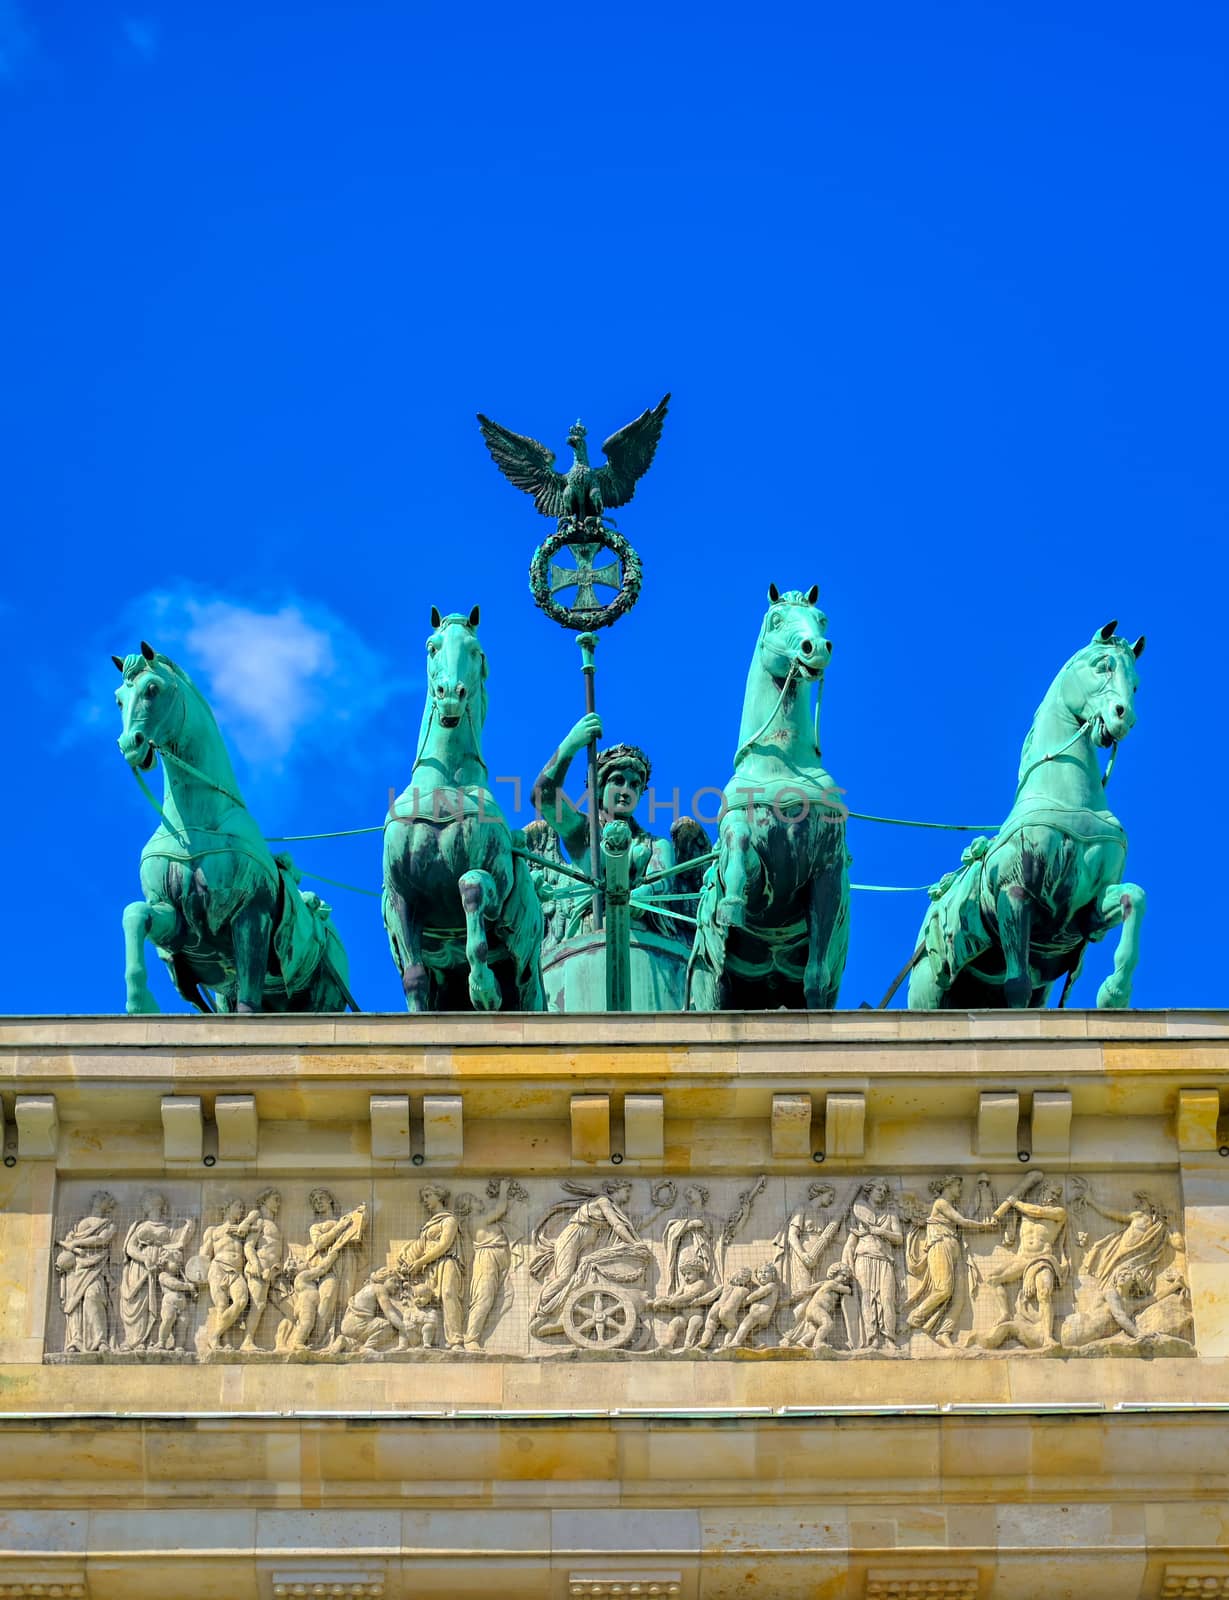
(577, 434)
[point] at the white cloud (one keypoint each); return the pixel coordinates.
(286, 681)
(141, 35)
(17, 43)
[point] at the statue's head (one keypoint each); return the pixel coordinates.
(153, 1205)
(456, 668)
(622, 777)
(269, 1201)
(1098, 684)
(741, 1279)
(793, 638)
(692, 1270)
(950, 1186)
(322, 1202)
(433, 1197)
(577, 434)
(151, 704)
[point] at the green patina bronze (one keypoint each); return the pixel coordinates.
(583, 492)
(1020, 911)
(773, 921)
(463, 921)
(223, 912)
(640, 957)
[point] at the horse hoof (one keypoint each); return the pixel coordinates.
(484, 992)
(141, 1005)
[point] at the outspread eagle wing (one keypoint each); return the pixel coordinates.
(527, 464)
(629, 453)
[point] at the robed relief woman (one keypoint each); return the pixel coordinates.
(83, 1265)
(144, 1244)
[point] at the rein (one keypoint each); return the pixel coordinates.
(748, 743)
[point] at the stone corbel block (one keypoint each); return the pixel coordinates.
(238, 1127)
(590, 1127)
(390, 1127)
(443, 1131)
(998, 1122)
(644, 1130)
(1051, 1123)
(1198, 1114)
(183, 1127)
(791, 1127)
(845, 1125)
(38, 1127)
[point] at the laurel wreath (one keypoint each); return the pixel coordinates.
(571, 616)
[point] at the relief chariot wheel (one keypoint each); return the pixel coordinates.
(600, 1317)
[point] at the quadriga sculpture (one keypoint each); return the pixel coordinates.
(1020, 911)
(221, 910)
(773, 920)
(457, 902)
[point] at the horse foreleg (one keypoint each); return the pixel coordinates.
(405, 938)
(251, 930)
(480, 901)
(144, 921)
(820, 982)
(738, 861)
(1122, 904)
(1015, 917)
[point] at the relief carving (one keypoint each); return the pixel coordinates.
(724, 1269)
(83, 1265)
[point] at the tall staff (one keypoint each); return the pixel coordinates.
(579, 499)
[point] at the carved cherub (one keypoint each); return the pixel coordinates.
(759, 1308)
(695, 1295)
(176, 1295)
(815, 1324)
(727, 1311)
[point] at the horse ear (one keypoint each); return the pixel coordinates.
(1137, 649)
(473, 616)
(119, 665)
(813, 594)
(1104, 635)
(773, 595)
(436, 619)
(147, 650)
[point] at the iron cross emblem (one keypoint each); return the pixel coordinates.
(584, 575)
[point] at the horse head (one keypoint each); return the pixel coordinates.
(152, 704)
(1099, 683)
(456, 669)
(792, 639)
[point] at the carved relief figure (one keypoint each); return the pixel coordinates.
(83, 1266)
(264, 1256)
(176, 1294)
(817, 1321)
(423, 1323)
(324, 1277)
(934, 1254)
(1141, 1242)
(871, 1244)
(144, 1245)
(373, 1320)
(598, 1243)
(1040, 1266)
(698, 1236)
(222, 1251)
(801, 1246)
(437, 1257)
(686, 1305)
(759, 1308)
(491, 1260)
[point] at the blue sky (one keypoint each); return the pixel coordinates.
(940, 295)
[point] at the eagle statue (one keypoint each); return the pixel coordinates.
(583, 491)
